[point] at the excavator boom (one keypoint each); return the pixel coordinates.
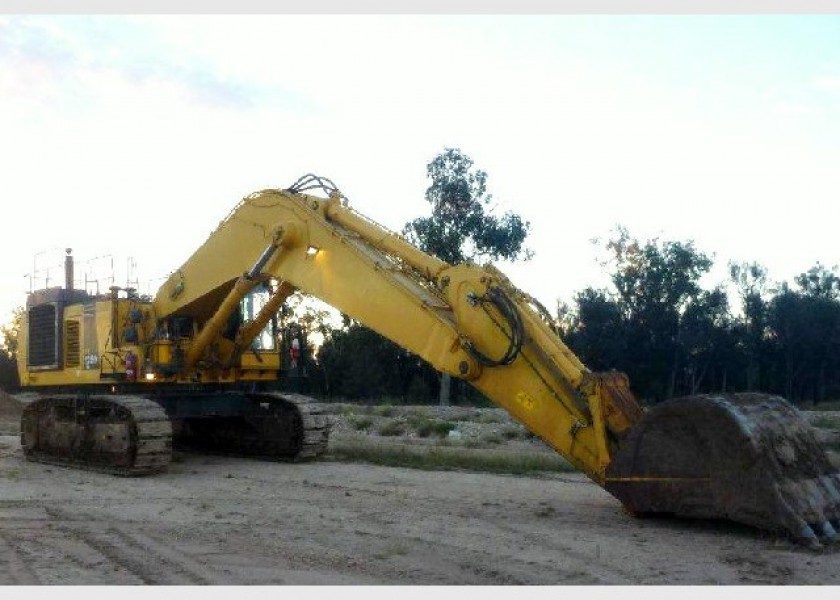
(468, 321)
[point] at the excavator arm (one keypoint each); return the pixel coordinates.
(465, 320)
(749, 458)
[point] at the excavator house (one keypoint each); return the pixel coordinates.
(110, 381)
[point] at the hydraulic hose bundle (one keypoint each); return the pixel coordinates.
(515, 333)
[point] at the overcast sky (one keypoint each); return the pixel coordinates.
(133, 137)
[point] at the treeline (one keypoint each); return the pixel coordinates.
(357, 364)
(656, 323)
(673, 338)
(8, 352)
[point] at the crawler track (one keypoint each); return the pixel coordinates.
(121, 435)
(132, 435)
(276, 426)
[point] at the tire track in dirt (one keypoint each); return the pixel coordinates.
(17, 570)
(480, 566)
(479, 546)
(551, 546)
(148, 559)
(490, 551)
(201, 574)
(517, 551)
(136, 559)
(58, 556)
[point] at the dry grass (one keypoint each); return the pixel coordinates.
(826, 421)
(444, 457)
(831, 405)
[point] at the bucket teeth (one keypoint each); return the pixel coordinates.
(828, 533)
(749, 458)
(807, 537)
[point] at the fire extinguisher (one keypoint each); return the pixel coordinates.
(131, 366)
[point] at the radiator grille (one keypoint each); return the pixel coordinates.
(42, 336)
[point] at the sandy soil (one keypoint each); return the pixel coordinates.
(220, 520)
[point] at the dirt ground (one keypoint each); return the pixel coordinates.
(222, 520)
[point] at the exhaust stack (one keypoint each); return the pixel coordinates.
(68, 269)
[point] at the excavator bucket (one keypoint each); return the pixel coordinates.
(749, 458)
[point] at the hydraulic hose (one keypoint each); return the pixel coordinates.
(497, 297)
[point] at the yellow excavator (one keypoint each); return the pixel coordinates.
(112, 380)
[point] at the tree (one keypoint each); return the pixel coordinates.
(785, 321)
(8, 351)
(656, 281)
(462, 226)
(305, 319)
(821, 289)
(358, 363)
(751, 281)
(819, 282)
(804, 331)
(652, 324)
(596, 330)
(706, 341)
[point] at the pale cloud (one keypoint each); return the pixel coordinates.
(827, 82)
(785, 108)
(45, 59)
(136, 136)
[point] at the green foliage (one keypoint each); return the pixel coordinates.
(9, 333)
(674, 338)
(655, 278)
(420, 389)
(462, 225)
(308, 313)
(819, 282)
(425, 427)
(384, 410)
(392, 428)
(750, 331)
(444, 458)
(8, 372)
(804, 342)
(8, 351)
(358, 363)
(513, 432)
(826, 422)
(490, 417)
(493, 438)
(597, 330)
(653, 324)
(421, 413)
(360, 423)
